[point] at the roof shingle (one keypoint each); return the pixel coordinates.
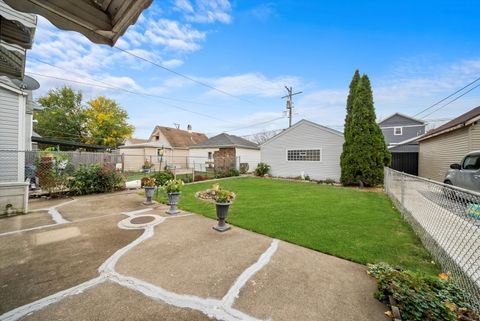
(226, 140)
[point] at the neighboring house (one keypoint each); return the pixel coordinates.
(16, 112)
(448, 144)
(172, 142)
(401, 133)
(225, 151)
(305, 148)
(134, 141)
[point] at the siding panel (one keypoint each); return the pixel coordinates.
(304, 136)
(438, 153)
(8, 135)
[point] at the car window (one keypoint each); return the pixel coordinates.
(471, 162)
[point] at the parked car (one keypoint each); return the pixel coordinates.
(466, 174)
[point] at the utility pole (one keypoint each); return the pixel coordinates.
(290, 102)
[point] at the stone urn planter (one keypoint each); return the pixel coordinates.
(173, 199)
(149, 190)
(222, 213)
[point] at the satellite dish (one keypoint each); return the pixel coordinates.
(27, 83)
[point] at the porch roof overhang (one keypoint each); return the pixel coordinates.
(101, 21)
(12, 60)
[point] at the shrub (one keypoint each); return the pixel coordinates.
(233, 172)
(421, 298)
(96, 178)
(306, 177)
(199, 178)
(244, 167)
(147, 165)
(262, 169)
(187, 179)
(329, 181)
(162, 177)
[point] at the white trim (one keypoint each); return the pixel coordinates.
(395, 131)
(304, 161)
(12, 88)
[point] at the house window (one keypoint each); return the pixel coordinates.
(209, 155)
(397, 131)
(304, 155)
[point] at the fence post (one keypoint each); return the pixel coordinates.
(402, 189)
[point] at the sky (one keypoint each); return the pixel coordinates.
(245, 52)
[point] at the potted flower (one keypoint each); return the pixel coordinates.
(173, 188)
(223, 199)
(149, 186)
(147, 166)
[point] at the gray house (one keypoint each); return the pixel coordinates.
(305, 148)
(401, 133)
(16, 113)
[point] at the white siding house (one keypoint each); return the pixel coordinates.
(15, 126)
(244, 151)
(305, 148)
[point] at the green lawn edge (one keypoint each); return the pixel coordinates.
(363, 227)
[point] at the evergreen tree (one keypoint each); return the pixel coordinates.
(367, 143)
(347, 176)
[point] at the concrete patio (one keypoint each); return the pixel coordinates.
(108, 257)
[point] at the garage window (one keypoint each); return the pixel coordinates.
(304, 155)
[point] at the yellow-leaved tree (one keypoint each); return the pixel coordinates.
(106, 122)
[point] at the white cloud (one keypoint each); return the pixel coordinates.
(205, 11)
(264, 11)
(254, 84)
(184, 5)
(174, 36)
(172, 63)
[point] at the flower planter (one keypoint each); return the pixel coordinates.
(222, 213)
(149, 190)
(173, 201)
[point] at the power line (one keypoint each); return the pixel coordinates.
(256, 124)
(442, 100)
(146, 94)
(182, 75)
(131, 92)
(455, 99)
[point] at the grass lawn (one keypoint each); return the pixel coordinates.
(360, 226)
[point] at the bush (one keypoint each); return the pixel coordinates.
(421, 298)
(199, 178)
(96, 178)
(262, 169)
(233, 172)
(329, 181)
(162, 177)
(187, 179)
(244, 167)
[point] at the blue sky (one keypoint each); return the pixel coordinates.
(415, 52)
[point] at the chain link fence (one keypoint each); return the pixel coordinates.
(447, 220)
(50, 171)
